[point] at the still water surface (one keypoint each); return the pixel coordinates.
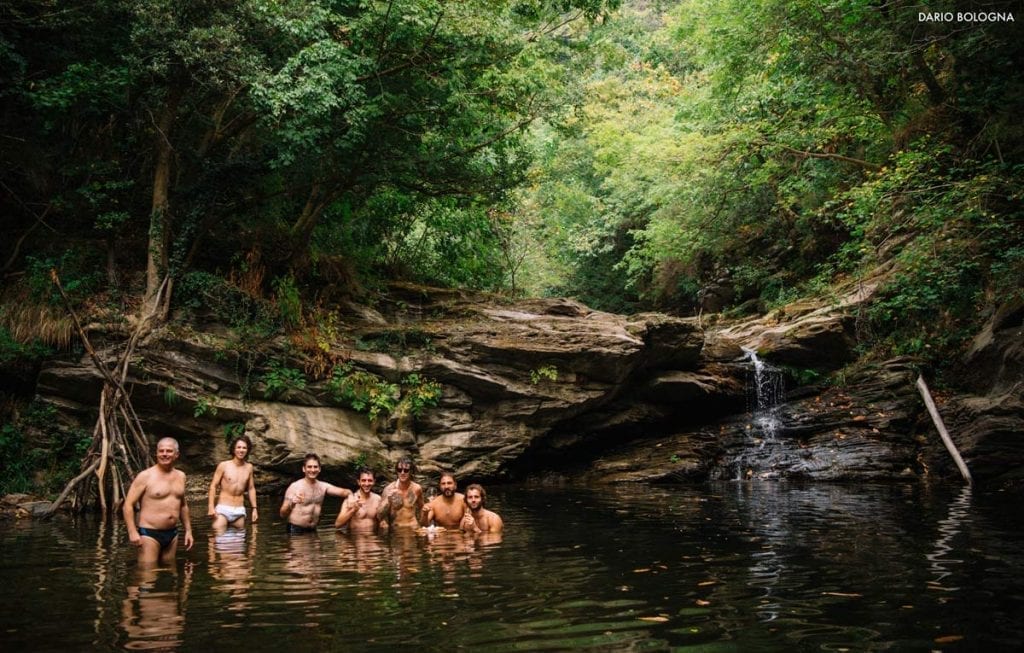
(750, 566)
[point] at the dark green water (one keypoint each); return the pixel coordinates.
(759, 566)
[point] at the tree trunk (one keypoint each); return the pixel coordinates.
(158, 254)
(302, 230)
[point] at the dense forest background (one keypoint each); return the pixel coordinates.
(266, 159)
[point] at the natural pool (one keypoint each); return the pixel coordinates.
(741, 566)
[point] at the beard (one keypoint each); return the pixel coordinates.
(448, 492)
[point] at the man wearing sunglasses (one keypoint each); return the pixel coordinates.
(402, 498)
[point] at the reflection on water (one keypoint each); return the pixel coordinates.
(949, 528)
(748, 566)
(153, 613)
(230, 556)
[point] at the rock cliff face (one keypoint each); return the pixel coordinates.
(552, 390)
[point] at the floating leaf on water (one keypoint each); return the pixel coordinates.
(702, 602)
(948, 639)
(707, 582)
(657, 619)
(690, 612)
(843, 594)
(642, 570)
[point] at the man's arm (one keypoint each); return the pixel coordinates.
(252, 492)
(135, 493)
(348, 509)
(335, 491)
(418, 490)
(287, 504)
(214, 484)
(384, 507)
(186, 519)
(497, 525)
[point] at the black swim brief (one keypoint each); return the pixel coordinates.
(292, 529)
(164, 536)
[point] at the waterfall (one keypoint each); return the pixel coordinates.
(765, 395)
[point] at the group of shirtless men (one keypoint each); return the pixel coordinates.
(159, 492)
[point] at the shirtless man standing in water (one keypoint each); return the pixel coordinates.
(235, 478)
(304, 498)
(160, 492)
(447, 508)
(479, 519)
(402, 499)
(359, 511)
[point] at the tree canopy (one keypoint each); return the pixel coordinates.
(640, 156)
(765, 149)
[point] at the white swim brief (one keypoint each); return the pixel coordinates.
(231, 512)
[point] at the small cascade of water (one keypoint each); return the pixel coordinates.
(765, 394)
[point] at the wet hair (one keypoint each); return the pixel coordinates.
(365, 470)
(449, 475)
(246, 440)
(479, 488)
(309, 457)
(406, 461)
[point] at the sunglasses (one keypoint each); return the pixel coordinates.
(403, 469)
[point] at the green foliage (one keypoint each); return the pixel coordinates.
(396, 341)
(206, 293)
(289, 302)
(15, 352)
(958, 221)
(369, 393)
(280, 381)
(418, 394)
(37, 454)
(774, 146)
(377, 133)
(544, 372)
(79, 276)
(232, 430)
(205, 407)
(802, 375)
(171, 397)
(361, 461)
(363, 391)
